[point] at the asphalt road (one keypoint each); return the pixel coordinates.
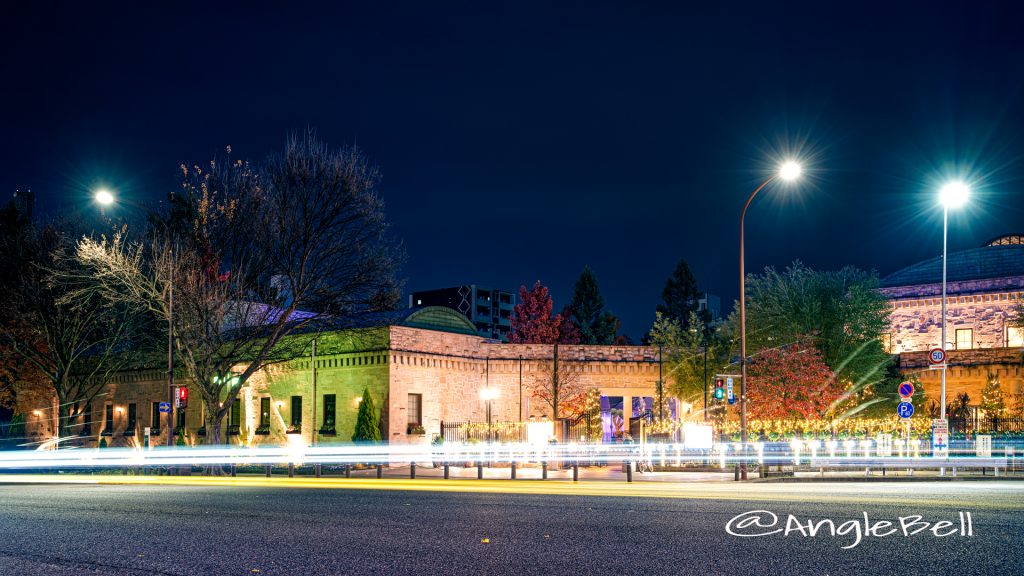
(111, 529)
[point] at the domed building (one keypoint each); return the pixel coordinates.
(984, 291)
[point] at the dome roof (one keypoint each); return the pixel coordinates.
(997, 259)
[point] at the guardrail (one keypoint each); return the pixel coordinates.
(911, 464)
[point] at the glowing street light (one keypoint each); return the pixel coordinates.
(104, 197)
(788, 171)
(952, 195)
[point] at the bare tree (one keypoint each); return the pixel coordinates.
(558, 384)
(258, 258)
(73, 348)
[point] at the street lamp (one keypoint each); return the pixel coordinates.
(105, 197)
(953, 195)
(488, 395)
(789, 171)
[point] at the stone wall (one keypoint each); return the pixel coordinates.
(447, 370)
(916, 321)
(968, 372)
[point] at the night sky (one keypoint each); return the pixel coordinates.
(524, 142)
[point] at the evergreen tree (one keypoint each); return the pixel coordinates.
(596, 325)
(586, 305)
(992, 398)
(680, 295)
(367, 429)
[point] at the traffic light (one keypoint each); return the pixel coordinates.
(181, 397)
(719, 388)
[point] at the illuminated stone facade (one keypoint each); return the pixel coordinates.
(985, 286)
(435, 358)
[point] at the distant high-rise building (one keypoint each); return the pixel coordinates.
(712, 304)
(489, 309)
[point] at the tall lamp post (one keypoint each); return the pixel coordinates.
(788, 171)
(952, 195)
(104, 197)
(488, 395)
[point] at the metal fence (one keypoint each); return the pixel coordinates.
(994, 426)
(469, 432)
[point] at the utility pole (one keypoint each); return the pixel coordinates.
(661, 388)
(705, 376)
(170, 349)
(312, 364)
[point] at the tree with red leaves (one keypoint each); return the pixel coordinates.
(791, 382)
(533, 323)
(556, 383)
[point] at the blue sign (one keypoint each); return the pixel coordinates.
(728, 386)
(905, 410)
(906, 389)
(165, 407)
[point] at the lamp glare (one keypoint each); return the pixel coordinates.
(954, 194)
(790, 171)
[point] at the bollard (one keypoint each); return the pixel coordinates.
(629, 471)
(513, 469)
(575, 472)
(479, 470)
(233, 471)
(412, 470)
(268, 470)
(348, 471)
(291, 470)
(445, 470)
(316, 470)
(380, 470)
(544, 470)
(736, 473)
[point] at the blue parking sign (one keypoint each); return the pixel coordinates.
(905, 410)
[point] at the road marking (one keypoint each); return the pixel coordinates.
(939, 494)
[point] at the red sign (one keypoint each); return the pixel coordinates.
(937, 356)
(906, 389)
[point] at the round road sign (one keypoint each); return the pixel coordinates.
(937, 356)
(905, 410)
(906, 389)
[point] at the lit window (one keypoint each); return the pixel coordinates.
(1014, 337)
(415, 410)
(264, 412)
(108, 419)
(235, 417)
(964, 338)
(132, 413)
(154, 420)
(296, 413)
(330, 403)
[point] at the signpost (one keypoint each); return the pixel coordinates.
(983, 446)
(905, 410)
(728, 390)
(937, 359)
(906, 390)
(884, 442)
(940, 438)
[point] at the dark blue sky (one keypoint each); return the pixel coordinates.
(523, 142)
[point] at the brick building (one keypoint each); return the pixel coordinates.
(984, 288)
(421, 365)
